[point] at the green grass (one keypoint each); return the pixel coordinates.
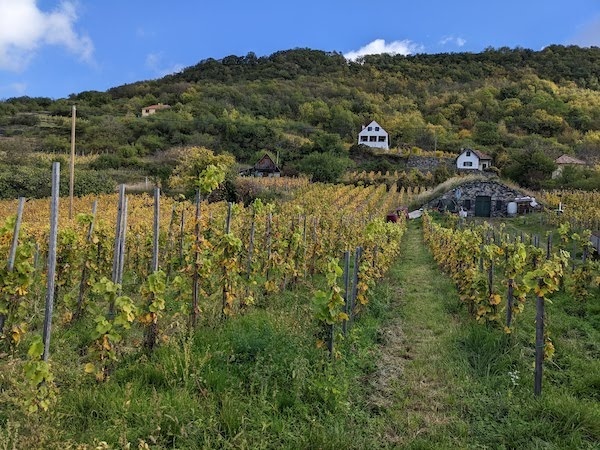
(415, 373)
(470, 386)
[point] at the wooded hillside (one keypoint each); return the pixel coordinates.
(516, 104)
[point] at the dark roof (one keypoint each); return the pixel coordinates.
(266, 164)
(481, 155)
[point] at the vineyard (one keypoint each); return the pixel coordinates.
(160, 305)
(578, 209)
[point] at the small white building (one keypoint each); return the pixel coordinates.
(471, 159)
(149, 110)
(373, 135)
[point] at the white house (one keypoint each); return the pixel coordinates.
(374, 135)
(149, 110)
(471, 159)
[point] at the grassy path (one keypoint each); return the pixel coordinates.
(445, 382)
(421, 401)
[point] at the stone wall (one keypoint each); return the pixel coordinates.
(428, 163)
(499, 193)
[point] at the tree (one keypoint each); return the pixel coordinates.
(196, 164)
(530, 168)
(324, 167)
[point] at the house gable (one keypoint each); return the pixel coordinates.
(471, 159)
(373, 135)
(264, 167)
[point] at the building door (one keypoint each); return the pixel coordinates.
(483, 206)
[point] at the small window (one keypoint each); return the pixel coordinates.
(499, 205)
(372, 138)
(376, 128)
(381, 138)
(467, 164)
(484, 165)
(364, 138)
(467, 204)
(369, 128)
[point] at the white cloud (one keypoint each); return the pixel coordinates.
(24, 29)
(458, 41)
(154, 62)
(379, 46)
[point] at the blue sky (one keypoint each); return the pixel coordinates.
(53, 48)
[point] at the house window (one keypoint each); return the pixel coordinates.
(484, 165)
(381, 138)
(372, 138)
(467, 204)
(376, 128)
(467, 164)
(369, 128)
(468, 153)
(499, 204)
(364, 139)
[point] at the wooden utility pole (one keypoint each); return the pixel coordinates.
(72, 167)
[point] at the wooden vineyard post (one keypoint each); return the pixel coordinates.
(357, 256)
(15, 238)
(151, 331)
(228, 221)
(122, 247)
(47, 330)
(539, 345)
(375, 251)
(13, 248)
(540, 318)
(225, 292)
(181, 236)
(251, 246)
(329, 338)
(509, 302)
(250, 256)
(314, 247)
(84, 270)
(304, 247)
(196, 275)
(168, 258)
(117, 244)
(268, 236)
(156, 230)
(346, 289)
(72, 161)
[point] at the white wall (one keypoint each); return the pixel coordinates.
(377, 138)
(467, 157)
